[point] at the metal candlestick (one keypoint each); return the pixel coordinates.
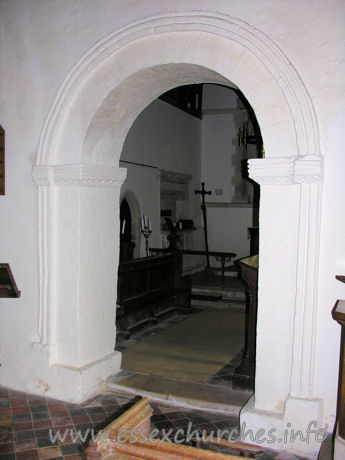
(146, 231)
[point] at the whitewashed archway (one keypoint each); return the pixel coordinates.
(79, 181)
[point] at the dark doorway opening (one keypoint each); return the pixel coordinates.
(126, 244)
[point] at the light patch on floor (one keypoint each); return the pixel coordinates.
(192, 350)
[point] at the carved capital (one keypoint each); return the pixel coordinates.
(74, 175)
(271, 171)
(286, 171)
(308, 169)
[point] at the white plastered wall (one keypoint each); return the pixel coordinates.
(33, 326)
(228, 215)
(166, 138)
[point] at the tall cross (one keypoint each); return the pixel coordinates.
(203, 192)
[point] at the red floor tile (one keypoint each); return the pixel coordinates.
(6, 447)
(34, 401)
(5, 420)
(6, 435)
(57, 407)
(40, 415)
(42, 423)
(21, 410)
(60, 421)
(20, 418)
(22, 426)
(81, 419)
(65, 439)
(25, 444)
(18, 402)
(27, 455)
(63, 428)
(98, 417)
(49, 452)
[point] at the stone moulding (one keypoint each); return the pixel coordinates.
(227, 27)
(308, 169)
(286, 171)
(87, 175)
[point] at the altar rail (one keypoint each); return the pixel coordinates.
(222, 257)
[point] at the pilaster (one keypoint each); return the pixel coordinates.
(77, 305)
(299, 403)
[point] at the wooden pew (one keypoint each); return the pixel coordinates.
(147, 289)
(244, 376)
(119, 443)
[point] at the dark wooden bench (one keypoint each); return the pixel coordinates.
(149, 288)
(222, 257)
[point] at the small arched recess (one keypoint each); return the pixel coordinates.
(133, 204)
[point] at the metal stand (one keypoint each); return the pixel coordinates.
(203, 192)
(147, 233)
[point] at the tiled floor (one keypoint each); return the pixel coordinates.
(225, 375)
(27, 423)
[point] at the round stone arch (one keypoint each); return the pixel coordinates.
(79, 153)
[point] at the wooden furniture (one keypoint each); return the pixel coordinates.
(253, 235)
(149, 287)
(222, 257)
(130, 437)
(8, 287)
(338, 313)
(126, 250)
(2, 161)
(244, 376)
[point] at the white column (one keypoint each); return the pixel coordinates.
(79, 274)
(284, 400)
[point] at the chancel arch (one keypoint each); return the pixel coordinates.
(79, 181)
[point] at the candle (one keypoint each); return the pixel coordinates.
(149, 224)
(141, 224)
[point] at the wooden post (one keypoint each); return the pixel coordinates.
(203, 192)
(244, 377)
(338, 313)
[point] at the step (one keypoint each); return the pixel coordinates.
(236, 305)
(218, 293)
(180, 393)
